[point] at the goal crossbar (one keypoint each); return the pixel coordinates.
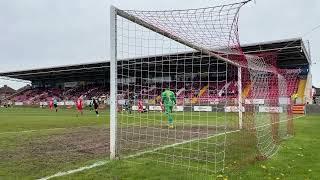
(143, 23)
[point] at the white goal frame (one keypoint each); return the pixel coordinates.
(114, 12)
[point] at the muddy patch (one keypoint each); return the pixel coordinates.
(63, 149)
(82, 140)
(135, 139)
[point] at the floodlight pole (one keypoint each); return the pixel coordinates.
(240, 97)
(113, 83)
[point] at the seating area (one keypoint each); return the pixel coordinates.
(198, 91)
(201, 90)
(273, 89)
(37, 95)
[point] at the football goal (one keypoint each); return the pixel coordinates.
(184, 94)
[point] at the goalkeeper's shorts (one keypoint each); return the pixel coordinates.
(168, 109)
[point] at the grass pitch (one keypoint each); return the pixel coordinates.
(36, 143)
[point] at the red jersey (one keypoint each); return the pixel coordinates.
(50, 103)
(140, 103)
(79, 103)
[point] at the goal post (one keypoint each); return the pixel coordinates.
(183, 93)
(146, 60)
(114, 12)
(113, 83)
(240, 107)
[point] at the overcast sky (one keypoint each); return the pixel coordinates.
(41, 33)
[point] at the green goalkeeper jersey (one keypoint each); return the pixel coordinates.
(168, 98)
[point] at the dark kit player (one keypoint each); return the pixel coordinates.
(96, 106)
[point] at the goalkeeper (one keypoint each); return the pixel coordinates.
(169, 100)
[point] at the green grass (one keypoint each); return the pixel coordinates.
(62, 141)
(24, 119)
(35, 142)
(297, 158)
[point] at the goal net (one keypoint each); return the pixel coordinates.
(183, 94)
(268, 104)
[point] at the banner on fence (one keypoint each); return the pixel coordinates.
(135, 108)
(233, 109)
(254, 101)
(202, 108)
(18, 103)
(69, 103)
(155, 108)
(178, 108)
(270, 109)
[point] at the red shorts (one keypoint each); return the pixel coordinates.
(79, 108)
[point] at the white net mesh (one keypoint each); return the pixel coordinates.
(272, 114)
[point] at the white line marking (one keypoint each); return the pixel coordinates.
(27, 131)
(177, 144)
(59, 174)
(298, 117)
(270, 124)
(50, 129)
(101, 163)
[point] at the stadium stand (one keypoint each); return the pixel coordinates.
(92, 79)
(6, 92)
(37, 95)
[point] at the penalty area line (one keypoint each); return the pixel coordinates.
(49, 129)
(101, 163)
(28, 131)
